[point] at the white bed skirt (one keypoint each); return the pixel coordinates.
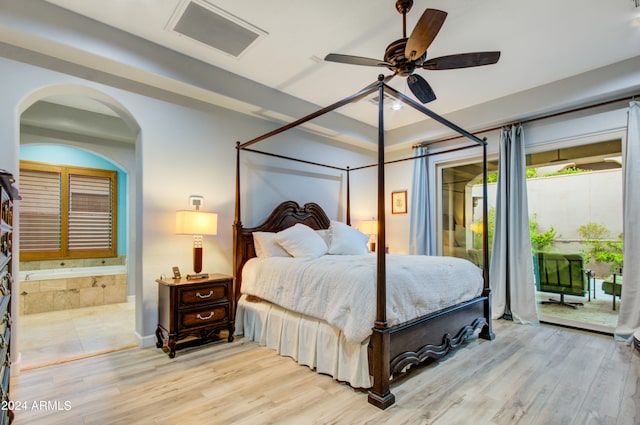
(309, 341)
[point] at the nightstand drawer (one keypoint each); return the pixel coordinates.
(189, 297)
(204, 316)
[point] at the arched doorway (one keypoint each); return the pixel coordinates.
(78, 119)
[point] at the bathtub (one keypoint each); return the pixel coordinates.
(62, 273)
(61, 289)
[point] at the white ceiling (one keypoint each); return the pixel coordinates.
(541, 41)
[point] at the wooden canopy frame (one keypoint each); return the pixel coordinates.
(391, 348)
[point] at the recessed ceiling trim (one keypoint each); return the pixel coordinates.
(213, 27)
(285, 119)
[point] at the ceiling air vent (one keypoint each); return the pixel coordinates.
(388, 99)
(214, 27)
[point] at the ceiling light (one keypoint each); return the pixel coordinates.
(396, 106)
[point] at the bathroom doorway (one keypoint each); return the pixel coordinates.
(77, 307)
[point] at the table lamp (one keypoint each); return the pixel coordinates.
(370, 228)
(196, 223)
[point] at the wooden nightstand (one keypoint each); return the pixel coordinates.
(198, 308)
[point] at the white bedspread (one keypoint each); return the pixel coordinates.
(341, 289)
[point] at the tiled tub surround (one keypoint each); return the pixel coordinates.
(66, 288)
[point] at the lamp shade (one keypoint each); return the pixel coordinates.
(369, 227)
(196, 223)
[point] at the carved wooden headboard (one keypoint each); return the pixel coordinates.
(283, 216)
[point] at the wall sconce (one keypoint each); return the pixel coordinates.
(196, 223)
(370, 228)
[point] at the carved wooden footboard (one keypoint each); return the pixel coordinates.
(428, 337)
(434, 336)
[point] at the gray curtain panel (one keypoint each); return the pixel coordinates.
(629, 316)
(511, 266)
(419, 235)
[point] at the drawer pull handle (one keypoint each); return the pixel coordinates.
(199, 295)
(205, 318)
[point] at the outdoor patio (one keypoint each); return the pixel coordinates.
(597, 312)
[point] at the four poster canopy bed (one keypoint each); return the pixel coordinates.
(307, 287)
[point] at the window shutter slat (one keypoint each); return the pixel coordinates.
(40, 220)
(89, 212)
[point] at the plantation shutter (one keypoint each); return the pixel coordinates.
(67, 212)
(40, 211)
(90, 214)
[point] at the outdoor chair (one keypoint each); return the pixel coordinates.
(561, 274)
(613, 286)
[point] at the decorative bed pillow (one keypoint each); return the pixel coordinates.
(266, 245)
(347, 240)
(325, 234)
(302, 241)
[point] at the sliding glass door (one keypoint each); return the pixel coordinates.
(575, 215)
(575, 212)
(461, 206)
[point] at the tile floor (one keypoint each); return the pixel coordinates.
(59, 336)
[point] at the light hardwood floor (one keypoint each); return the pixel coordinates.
(528, 375)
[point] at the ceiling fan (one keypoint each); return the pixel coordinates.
(405, 55)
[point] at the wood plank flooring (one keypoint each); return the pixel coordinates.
(534, 375)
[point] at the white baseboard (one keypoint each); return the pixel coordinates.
(145, 341)
(15, 365)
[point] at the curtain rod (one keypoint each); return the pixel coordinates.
(530, 120)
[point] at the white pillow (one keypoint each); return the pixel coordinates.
(302, 241)
(347, 240)
(266, 245)
(325, 234)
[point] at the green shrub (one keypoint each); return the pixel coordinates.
(493, 177)
(540, 241)
(568, 170)
(601, 249)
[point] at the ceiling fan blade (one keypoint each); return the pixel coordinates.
(424, 33)
(420, 88)
(462, 60)
(355, 60)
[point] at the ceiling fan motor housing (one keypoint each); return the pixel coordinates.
(402, 66)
